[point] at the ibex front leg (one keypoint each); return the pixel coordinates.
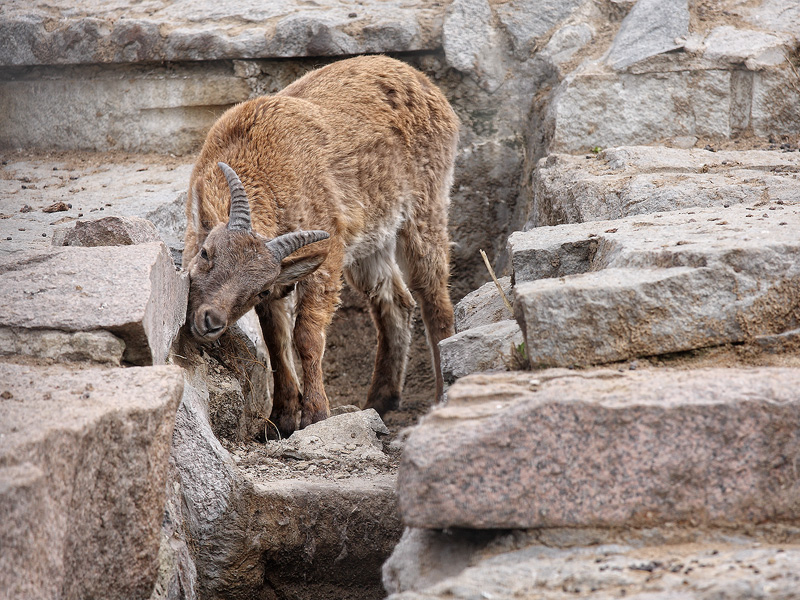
(313, 317)
(276, 324)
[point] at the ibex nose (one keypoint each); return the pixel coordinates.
(212, 323)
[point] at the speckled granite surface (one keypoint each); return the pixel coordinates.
(562, 448)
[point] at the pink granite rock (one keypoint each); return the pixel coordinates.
(564, 448)
(83, 466)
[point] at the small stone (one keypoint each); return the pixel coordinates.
(56, 207)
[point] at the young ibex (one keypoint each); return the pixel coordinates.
(345, 171)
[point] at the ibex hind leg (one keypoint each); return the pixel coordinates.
(391, 306)
(425, 257)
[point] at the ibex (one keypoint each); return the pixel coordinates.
(347, 171)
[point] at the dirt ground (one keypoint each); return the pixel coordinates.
(350, 356)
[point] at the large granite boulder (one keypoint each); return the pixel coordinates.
(83, 470)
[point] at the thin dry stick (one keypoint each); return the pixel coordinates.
(497, 283)
(794, 70)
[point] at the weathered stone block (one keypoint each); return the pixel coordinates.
(651, 27)
(627, 181)
(607, 449)
(126, 32)
(735, 569)
(615, 314)
(83, 462)
(597, 108)
(133, 292)
(610, 290)
(483, 348)
(484, 305)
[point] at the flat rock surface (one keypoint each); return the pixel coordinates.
(737, 570)
(690, 237)
(667, 282)
(83, 462)
(625, 181)
(490, 347)
(85, 186)
(155, 30)
(606, 449)
(132, 291)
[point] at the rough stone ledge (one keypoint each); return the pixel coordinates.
(42, 33)
(47, 345)
(736, 569)
(133, 292)
(484, 348)
(611, 290)
(605, 449)
(691, 237)
(83, 463)
(633, 180)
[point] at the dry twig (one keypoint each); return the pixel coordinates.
(497, 283)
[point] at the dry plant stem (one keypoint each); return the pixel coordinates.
(497, 283)
(794, 70)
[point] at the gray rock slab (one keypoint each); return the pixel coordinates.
(130, 108)
(83, 463)
(611, 290)
(709, 91)
(625, 181)
(484, 305)
(91, 186)
(133, 292)
(606, 449)
(616, 314)
(495, 346)
(62, 346)
(526, 21)
(122, 32)
(594, 107)
(737, 569)
(318, 535)
(348, 438)
(651, 27)
(753, 49)
(776, 15)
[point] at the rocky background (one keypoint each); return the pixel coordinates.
(632, 429)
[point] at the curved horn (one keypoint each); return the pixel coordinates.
(239, 218)
(283, 245)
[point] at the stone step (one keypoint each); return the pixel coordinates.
(607, 449)
(633, 180)
(74, 294)
(85, 186)
(735, 569)
(155, 78)
(44, 33)
(83, 460)
(667, 282)
(316, 511)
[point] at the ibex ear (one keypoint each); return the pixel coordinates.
(295, 269)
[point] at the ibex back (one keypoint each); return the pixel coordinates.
(347, 172)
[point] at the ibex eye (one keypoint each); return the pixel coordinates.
(203, 254)
(263, 294)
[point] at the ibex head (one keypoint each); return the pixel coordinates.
(236, 267)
